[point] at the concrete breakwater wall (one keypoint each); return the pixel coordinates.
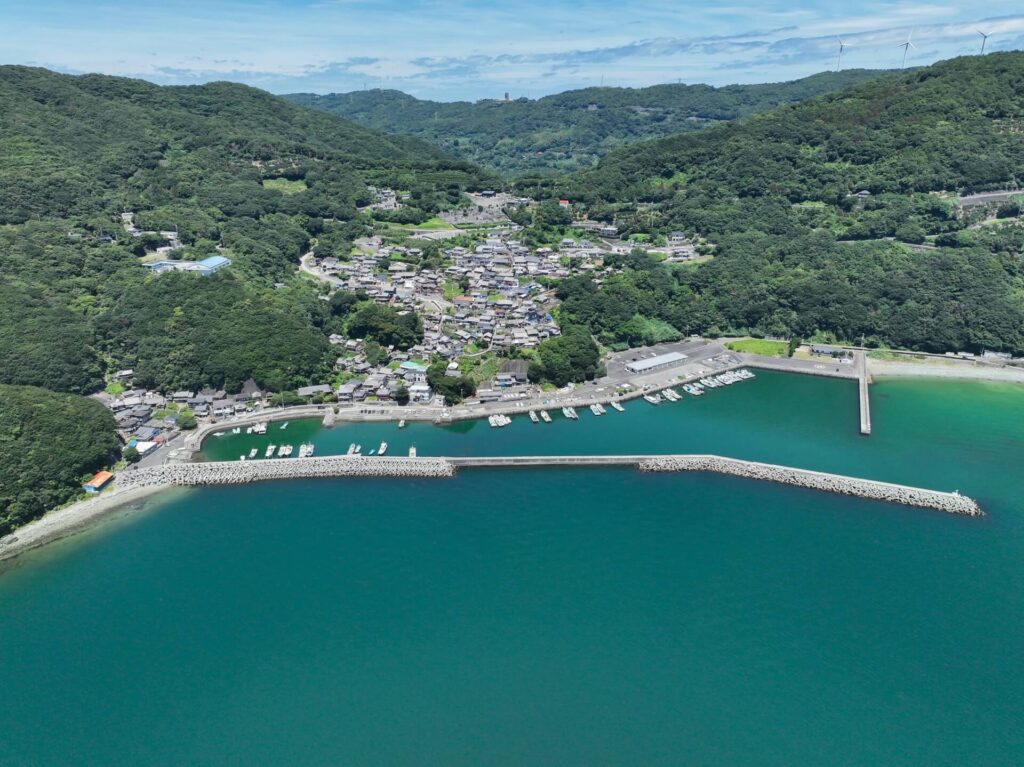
(242, 472)
(952, 503)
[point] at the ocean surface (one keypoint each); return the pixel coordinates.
(551, 616)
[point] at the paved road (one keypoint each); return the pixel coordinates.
(983, 198)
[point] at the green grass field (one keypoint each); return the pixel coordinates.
(285, 185)
(760, 346)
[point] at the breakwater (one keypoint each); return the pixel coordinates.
(242, 472)
(952, 503)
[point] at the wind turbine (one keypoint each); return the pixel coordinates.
(842, 47)
(906, 48)
(984, 39)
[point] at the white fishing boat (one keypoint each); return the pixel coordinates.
(618, 407)
(401, 424)
(533, 416)
(544, 416)
(284, 425)
(252, 453)
(270, 451)
(382, 449)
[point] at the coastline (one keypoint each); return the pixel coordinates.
(944, 370)
(76, 518)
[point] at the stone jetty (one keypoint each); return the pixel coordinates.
(243, 472)
(952, 503)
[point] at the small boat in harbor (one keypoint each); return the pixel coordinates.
(401, 424)
(373, 452)
(618, 407)
(351, 449)
(284, 425)
(412, 451)
(270, 451)
(533, 416)
(382, 449)
(493, 421)
(252, 453)
(237, 430)
(544, 416)
(594, 409)
(654, 399)
(359, 449)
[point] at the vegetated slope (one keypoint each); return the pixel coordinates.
(84, 145)
(569, 130)
(775, 194)
(49, 443)
(76, 151)
(952, 126)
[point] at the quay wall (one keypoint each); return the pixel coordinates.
(952, 503)
(242, 472)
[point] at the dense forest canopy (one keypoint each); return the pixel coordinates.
(569, 130)
(49, 443)
(797, 251)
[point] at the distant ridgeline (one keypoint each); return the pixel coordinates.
(803, 203)
(569, 130)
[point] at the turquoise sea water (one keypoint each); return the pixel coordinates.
(543, 616)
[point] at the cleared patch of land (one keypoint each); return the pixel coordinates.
(285, 185)
(760, 346)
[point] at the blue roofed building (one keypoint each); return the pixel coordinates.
(206, 267)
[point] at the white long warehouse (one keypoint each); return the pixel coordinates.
(654, 363)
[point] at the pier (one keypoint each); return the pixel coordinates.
(862, 386)
(241, 472)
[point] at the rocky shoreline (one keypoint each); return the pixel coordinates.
(243, 472)
(952, 503)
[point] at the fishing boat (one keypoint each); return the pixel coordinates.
(270, 451)
(359, 449)
(412, 451)
(654, 399)
(618, 407)
(382, 449)
(373, 452)
(237, 430)
(252, 453)
(284, 425)
(533, 416)
(401, 424)
(544, 416)
(493, 421)
(220, 434)
(351, 449)
(241, 458)
(594, 409)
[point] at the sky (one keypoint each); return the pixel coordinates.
(470, 49)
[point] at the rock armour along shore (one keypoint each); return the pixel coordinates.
(242, 472)
(952, 503)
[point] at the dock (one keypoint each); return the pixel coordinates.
(860, 362)
(241, 472)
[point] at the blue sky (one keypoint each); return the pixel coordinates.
(458, 49)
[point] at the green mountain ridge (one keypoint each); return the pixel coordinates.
(797, 251)
(569, 130)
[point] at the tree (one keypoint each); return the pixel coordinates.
(186, 420)
(131, 454)
(402, 395)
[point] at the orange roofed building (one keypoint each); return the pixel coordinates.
(99, 481)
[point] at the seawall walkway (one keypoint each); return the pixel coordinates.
(240, 472)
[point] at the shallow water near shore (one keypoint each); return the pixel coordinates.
(554, 616)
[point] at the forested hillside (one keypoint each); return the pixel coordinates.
(48, 444)
(797, 250)
(569, 130)
(234, 172)
(77, 151)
